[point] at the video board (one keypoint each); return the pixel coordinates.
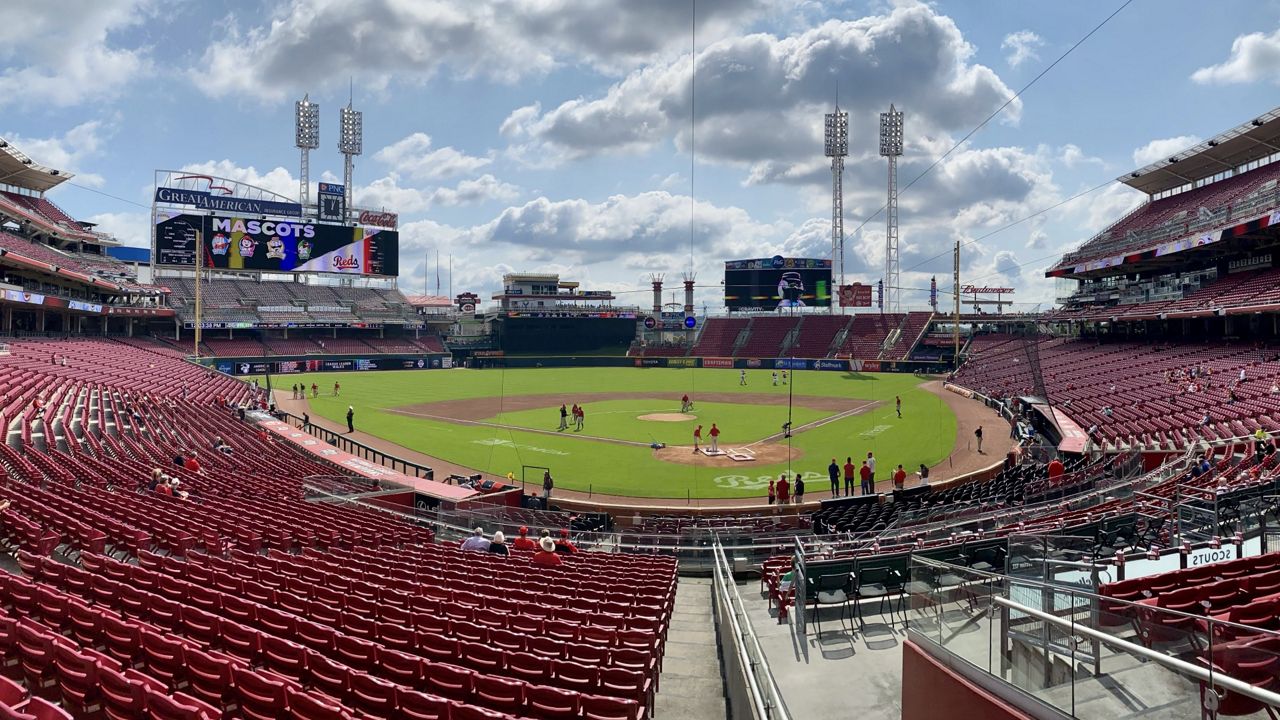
(275, 245)
(777, 283)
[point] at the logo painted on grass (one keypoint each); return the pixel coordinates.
(499, 442)
(759, 482)
(874, 431)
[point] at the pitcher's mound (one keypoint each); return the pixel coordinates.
(668, 417)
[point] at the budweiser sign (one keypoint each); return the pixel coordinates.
(379, 219)
(975, 290)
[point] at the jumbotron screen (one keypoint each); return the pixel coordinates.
(777, 282)
(271, 245)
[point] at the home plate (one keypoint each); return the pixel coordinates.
(712, 453)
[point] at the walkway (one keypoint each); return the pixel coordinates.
(691, 687)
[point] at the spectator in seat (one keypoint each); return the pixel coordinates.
(180, 460)
(498, 546)
(156, 474)
(192, 464)
(164, 488)
(564, 544)
(523, 541)
(174, 486)
(1055, 469)
(546, 554)
(476, 542)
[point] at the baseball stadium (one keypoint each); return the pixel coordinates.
(251, 472)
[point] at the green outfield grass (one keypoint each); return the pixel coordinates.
(385, 406)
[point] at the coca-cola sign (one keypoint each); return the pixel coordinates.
(379, 219)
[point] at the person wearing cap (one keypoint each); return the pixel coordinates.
(564, 545)
(546, 554)
(498, 546)
(351, 418)
(476, 542)
(524, 542)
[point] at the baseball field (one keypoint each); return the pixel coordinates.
(498, 421)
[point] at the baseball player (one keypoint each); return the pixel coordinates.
(685, 405)
(742, 377)
(715, 438)
(697, 438)
(775, 378)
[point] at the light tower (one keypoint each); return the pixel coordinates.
(656, 280)
(891, 147)
(689, 279)
(306, 137)
(350, 144)
(836, 146)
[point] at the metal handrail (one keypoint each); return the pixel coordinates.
(768, 706)
(1181, 667)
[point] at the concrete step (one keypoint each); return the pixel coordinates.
(691, 686)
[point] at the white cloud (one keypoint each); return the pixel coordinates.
(62, 53)
(1255, 56)
(1021, 46)
(504, 40)
(69, 151)
(1072, 156)
(278, 180)
(760, 97)
(130, 228)
(387, 192)
(413, 156)
(1162, 149)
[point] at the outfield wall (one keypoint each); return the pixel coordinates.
(898, 366)
(293, 365)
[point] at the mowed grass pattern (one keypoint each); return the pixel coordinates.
(383, 404)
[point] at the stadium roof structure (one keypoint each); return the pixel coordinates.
(21, 171)
(1243, 144)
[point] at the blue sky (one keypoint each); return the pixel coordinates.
(554, 135)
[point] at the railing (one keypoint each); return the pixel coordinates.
(750, 689)
(1144, 239)
(355, 447)
(1057, 645)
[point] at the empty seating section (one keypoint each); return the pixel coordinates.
(1235, 293)
(913, 328)
(38, 251)
(867, 334)
(719, 336)
(766, 335)
(817, 332)
(1138, 392)
(1173, 215)
(291, 301)
(43, 214)
(243, 600)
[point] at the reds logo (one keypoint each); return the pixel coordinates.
(346, 263)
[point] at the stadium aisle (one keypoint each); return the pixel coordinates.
(690, 686)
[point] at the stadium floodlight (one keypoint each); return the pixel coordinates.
(306, 137)
(306, 123)
(891, 148)
(351, 132)
(836, 146)
(350, 144)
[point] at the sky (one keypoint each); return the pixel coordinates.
(608, 140)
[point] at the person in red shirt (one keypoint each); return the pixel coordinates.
(899, 478)
(715, 438)
(784, 489)
(192, 464)
(1055, 469)
(850, 470)
(546, 554)
(564, 545)
(524, 542)
(697, 438)
(868, 487)
(164, 488)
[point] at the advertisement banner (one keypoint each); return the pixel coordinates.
(269, 245)
(753, 362)
(85, 306)
(716, 362)
(19, 296)
(871, 366)
(682, 362)
(219, 203)
(841, 365)
(649, 362)
(777, 282)
(855, 295)
(791, 364)
(294, 367)
(375, 218)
